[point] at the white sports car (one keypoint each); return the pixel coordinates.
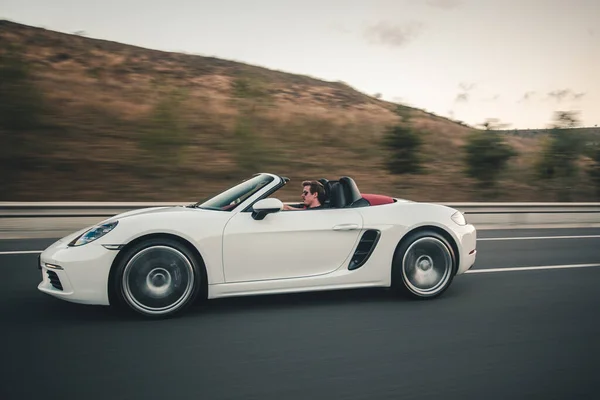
(241, 242)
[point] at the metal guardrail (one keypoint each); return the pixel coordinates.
(56, 219)
(524, 208)
(107, 209)
(25, 209)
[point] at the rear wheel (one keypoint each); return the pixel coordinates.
(424, 265)
(158, 278)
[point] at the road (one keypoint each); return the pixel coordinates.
(517, 334)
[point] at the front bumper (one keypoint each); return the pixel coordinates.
(467, 244)
(82, 273)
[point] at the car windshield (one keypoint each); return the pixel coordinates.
(229, 199)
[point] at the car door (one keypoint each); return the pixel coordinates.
(288, 244)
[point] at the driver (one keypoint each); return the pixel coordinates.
(312, 191)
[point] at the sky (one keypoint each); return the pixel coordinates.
(517, 61)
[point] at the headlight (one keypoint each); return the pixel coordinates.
(459, 218)
(94, 233)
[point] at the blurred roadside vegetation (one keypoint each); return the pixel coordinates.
(487, 155)
(404, 144)
(22, 109)
(557, 163)
(90, 120)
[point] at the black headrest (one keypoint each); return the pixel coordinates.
(337, 197)
(350, 190)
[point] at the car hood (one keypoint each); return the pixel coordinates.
(121, 216)
(134, 213)
(140, 211)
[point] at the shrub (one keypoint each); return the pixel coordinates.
(486, 156)
(403, 143)
(594, 169)
(250, 91)
(562, 149)
(166, 133)
(21, 103)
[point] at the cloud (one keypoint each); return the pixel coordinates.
(495, 97)
(444, 4)
(340, 28)
(565, 94)
(559, 95)
(394, 35)
(465, 86)
(527, 96)
(462, 98)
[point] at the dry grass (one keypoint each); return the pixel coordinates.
(102, 100)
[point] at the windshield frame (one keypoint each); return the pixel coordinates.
(243, 192)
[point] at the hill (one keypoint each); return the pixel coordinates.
(92, 120)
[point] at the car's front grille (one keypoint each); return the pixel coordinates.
(54, 280)
(364, 249)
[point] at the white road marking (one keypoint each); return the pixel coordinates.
(479, 239)
(540, 237)
(487, 270)
(21, 252)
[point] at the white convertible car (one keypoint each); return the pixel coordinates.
(241, 242)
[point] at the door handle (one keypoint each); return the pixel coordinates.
(345, 227)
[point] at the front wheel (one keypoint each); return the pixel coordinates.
(424, 265)
(158, 278)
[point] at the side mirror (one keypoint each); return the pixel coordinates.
(266, 206)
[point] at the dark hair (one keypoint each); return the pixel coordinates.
(315, 187)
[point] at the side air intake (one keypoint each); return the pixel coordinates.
(365, 247)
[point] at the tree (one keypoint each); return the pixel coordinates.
(250, 93)
(557, 162)
(22, 119)
(493, 124)
(562, 148)
(566, 120)
(403, 142)
(165, 134)
(594, 169)
(486, 156)
(21, 103)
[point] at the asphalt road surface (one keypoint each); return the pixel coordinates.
(512, 333)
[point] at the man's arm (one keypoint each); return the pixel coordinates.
(287, 207)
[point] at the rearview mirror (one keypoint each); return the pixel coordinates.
(266, 206)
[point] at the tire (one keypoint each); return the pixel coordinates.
(158, 278)
(423, 266)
